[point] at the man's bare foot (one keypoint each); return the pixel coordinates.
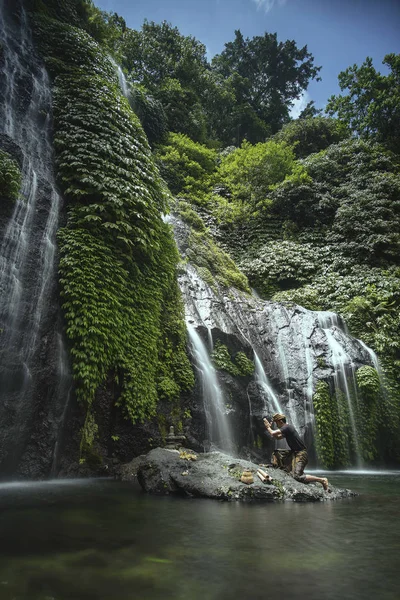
(325, 484)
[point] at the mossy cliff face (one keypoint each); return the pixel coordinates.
(118, 260)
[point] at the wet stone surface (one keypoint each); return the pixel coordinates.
(217, 475)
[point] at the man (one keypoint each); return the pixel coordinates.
(297, 447)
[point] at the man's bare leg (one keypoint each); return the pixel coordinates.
(322, 480)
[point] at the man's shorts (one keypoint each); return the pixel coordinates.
(291, 462)
(300, 460)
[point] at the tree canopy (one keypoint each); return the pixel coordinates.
(265, 76)
(372, 106)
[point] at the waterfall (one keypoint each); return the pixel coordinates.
(343, 367)
(374, 360)
(218, 430)
(292, 346)
(28, 247)
(269, 397)
(123, 84)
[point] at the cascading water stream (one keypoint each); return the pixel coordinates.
(28, 247)
(269, 396)
(343, 367)
(218, 430)
(375, 362)
(123, 84)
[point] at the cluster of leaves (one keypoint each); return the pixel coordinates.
(311, 135)
(214, 265)
(240, 365)
(347, 181)
(150, 112)
(335, 439)
(245, 177)
(332, 438)
(117, 257)
(189, 216)
(187, 167)
(368, 413)
(10, 176)
(371, 108)
(251, 170)
(282, 265)
(258, 79)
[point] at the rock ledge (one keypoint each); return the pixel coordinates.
(217, 475)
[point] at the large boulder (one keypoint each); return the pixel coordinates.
(217, 475)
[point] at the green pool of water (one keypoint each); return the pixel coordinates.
(104, 540)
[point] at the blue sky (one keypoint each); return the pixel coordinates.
(338, 33)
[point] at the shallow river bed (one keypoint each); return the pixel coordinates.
(103, 540)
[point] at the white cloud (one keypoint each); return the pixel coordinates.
(267, 5)
(299, 105)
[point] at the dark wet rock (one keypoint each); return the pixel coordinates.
(217, 475)
(129, 471)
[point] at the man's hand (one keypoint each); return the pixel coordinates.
(267, 424)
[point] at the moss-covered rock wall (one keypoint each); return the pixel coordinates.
(122, 308)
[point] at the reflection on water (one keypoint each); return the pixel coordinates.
(106, 540)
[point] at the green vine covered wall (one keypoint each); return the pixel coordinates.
(118, 259)
(10, 177)
(375, 421)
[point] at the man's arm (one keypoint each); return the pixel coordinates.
(275, 434)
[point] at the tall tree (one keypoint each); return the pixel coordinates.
(159, 52)
(173, 69)
(372, 106)
(265, 76)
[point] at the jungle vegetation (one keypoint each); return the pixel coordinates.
(309, 209)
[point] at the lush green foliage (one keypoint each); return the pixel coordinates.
(187, 167)
(355, 190)
(10, 176)
(246, 176)
(281, 265)
(150, 112)
(172, 68)
(118, 258)
(106, 28)
(249, 171)
(332, 434)
(214, 265)
(371, 108)
(264, 76)
(311, 135)
(240, 365)
(245, 93)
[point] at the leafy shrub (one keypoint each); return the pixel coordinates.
(348, 181)
(281, 265)
(250, 171)
(151, 114)
(311, 135)
(10, 176)
(205, 254)
(240, 365)
(187, 167)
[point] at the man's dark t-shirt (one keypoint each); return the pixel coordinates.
(292, 437)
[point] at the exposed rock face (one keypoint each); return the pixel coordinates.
(34, 376)
(216, 475)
